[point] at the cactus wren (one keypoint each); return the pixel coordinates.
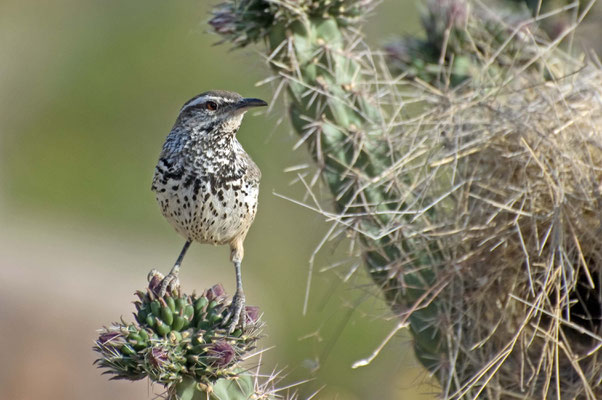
(206, 184)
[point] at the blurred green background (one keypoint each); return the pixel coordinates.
(89, 90)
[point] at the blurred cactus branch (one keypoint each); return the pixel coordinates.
(334, 107)
(460, 34)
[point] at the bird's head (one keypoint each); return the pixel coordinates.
(216, 111)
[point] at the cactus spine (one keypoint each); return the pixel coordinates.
(179, 342)
(334, 108)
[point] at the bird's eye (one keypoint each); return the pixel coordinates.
(211, 106)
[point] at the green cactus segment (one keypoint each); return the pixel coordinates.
(178, 338)
(331, 108)
(241, 388)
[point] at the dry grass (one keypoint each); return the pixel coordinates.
(520, 232)
(515, 163)
(512, 179)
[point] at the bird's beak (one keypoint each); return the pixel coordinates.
(244, 104)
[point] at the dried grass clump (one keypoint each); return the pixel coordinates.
(522, 236)
(512, 183)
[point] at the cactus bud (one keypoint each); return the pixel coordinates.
(112, 337)
(215, 292)
(220, 353)
(177, 335)
(252, 314)
(158, 357)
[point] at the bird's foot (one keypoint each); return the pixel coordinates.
(170, 283)
(160, 284)
(235, 311)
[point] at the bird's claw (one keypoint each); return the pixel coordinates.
(170, 283)
(235, 313)
(160, 284)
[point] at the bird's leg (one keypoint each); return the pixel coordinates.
(171, 280)
(235, 313)
(238, 301)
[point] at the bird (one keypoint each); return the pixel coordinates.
(206, 184)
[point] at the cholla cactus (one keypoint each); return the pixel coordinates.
(477, 209)
(459, 34)
(179, 342)
(337, 109)
(456, 31)
(247, 21)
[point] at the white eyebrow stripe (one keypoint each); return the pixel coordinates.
(203, 99)
(195, 102)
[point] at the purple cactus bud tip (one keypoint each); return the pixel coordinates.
(252, 314)
(112, 337)
(215, 292)
(154, 283)
(223, 22)
(221, 353)
(157, 357)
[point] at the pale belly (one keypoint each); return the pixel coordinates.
(204, 214)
